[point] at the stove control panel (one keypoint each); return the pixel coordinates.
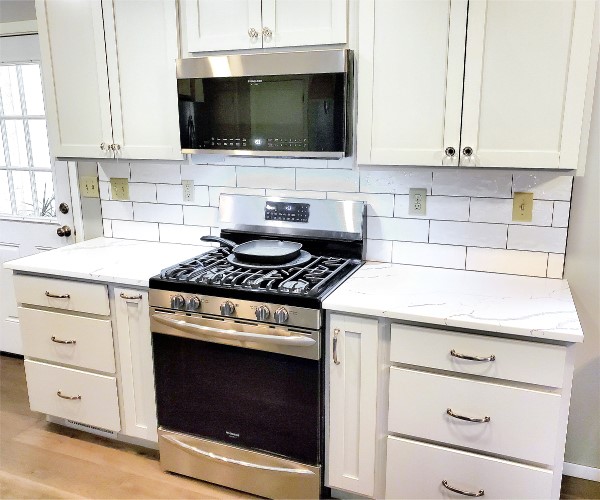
(287, 211)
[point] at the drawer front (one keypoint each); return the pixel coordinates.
(522, 423)
(62, 294)
(98, 404)
(416, 470)
(65, 338)
(517, 360)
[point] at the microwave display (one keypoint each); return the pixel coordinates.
(276, 113)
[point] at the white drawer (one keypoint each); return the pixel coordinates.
(523, 423)
(518, 360)
(98, 404)
(62, 294)
(90, 340)
(416, 470)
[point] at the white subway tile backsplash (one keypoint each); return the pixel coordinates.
(173, 194)
(295, 163)
(327, 180)
(108, 169)
(507, 261)
(142, 191)
(289, 193)
(107, 228)
(216, 192)
(386, 228)
(213, 159)
(537, 239)
(467, 182)
(187, 235)
(261, 177)
(394, 180)
(544, 185)
(556, 265)
(200, 216)
(378, 205)
(158, 212)
(209, 175)
(426, 254)
(117, 209)
(379, 250)
(436, 208)
(561, 214)
(167, 173)
(131, 230)
(348, 162)
(104, 190)
(468, 234)
(499, 210)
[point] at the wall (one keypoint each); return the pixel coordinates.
(467, 226)
(583, 272)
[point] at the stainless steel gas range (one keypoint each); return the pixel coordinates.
(238, 343)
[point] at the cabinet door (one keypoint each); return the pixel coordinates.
(352, 366)
(141, 45)
(222, 25)
(411, 60)
(135, 356)
(303, 22)
(526, 71)
(75, 77)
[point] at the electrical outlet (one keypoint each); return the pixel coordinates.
(88, 186)
(119, 188)
(188, 190)
(417, 201)
(523, 207)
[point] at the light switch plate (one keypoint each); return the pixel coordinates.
(119, 188)
(522, 207)
(88, 186)
(417, 201)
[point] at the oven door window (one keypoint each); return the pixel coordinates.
(253, 399)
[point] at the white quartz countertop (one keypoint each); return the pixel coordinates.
(109, 260)
(533, 307)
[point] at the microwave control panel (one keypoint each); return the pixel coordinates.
(291, 212)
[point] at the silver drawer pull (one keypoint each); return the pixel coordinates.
(472, 358)
(58, 341)
(130, 297)
(71, 398)
(480, 493)
(336, 332)
(55, 296)
(468, 419)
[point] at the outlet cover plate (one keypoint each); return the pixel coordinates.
(522, 207)
(188, 190)
(88, 186)
(119, 188)
(417, 201)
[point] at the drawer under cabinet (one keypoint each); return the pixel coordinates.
(62, 294)
(416, 470)
(518, 360)
(73, 394)
(522, 423)
(65, 338)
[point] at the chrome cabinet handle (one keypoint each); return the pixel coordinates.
(472, 358)
(58, 341)
(130, 297)
(55, 296)
(468, 419)
(252, 33)
(266, 32)
(480, 493)
(336, 332)
(70, 398)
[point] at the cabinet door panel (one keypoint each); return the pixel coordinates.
(222, 25)
(75, 77)
(141, 43)
(410, 81)
(518, 97)
(304, 22)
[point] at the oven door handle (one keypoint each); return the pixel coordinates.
(214, 456)
(178, 324)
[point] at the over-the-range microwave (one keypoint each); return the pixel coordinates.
(286, 104)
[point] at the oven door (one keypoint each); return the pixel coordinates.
(211, 385)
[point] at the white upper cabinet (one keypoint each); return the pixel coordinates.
(109, 78)
(245, 24)
(528, 68)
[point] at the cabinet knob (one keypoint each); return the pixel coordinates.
(266, 32)
(450, 151)
(467, 151)
(104, 146)
(252, 33)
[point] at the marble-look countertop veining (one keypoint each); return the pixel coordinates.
(516, 305)
(108, 260)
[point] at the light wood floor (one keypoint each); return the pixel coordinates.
(43, 460)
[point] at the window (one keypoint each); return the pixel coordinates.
(26, 186)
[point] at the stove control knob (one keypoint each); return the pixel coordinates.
(193, 303)
(227, 308)
(177, 302)
(262, 313)
(281, 315)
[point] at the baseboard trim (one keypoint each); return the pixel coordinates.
(581, 471)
